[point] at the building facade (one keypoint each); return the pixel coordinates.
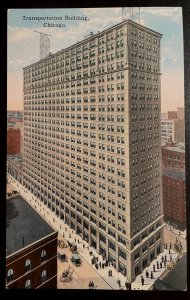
(174, 199)
(173, 156)
(92, 145)
(13, 141)
(15, 167)
(173, 130)
(31, 248)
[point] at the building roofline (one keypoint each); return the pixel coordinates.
(92, 36)
(33, 243)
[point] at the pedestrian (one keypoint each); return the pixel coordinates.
(165, 257)
(110, 272)
(97, 258)
(100, 265)
(142, 280)
(170, 245)
(157, 265)
(151, 275)
(83, 246)
(119, 282)
(153, 268)
(78, 241)
(170, 258)
(160, 265)
(166, 246)
(147, 274)
(162, 258)
(169, 251)
(165, 263)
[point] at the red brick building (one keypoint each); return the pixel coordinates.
(31, 247)
(13, 141)
(172, 115)
(174, 200)
(173, 156)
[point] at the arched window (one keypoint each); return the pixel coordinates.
(10, 274)
(44, 275)
(43, 255)
(28, 284)
(28, 265)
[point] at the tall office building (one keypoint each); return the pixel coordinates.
(92, 146)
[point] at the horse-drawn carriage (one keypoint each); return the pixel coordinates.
(66, 276)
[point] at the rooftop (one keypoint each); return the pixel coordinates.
(95, 35)
(176, 173)
(176, 280)
(176, 149)
(23, 224)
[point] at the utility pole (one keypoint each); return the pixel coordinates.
(44, 44)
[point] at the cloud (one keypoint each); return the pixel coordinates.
(174, 13)
(24, 45)
(19, 34)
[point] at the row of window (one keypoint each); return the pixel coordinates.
(28, 283)
(28, 266)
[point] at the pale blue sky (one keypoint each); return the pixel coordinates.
(23, 43)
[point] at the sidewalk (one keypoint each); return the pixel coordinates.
(69, 234)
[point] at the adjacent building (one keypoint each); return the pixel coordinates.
(173, 156)
(180, 112)
(15, 167)
(172, 130)
(14, 132)
(92, 144)
(31, 248)
(174, 199)
(13, 141)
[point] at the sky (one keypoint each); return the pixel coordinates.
(23, 43)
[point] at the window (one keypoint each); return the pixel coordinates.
(44, 275)
(43, 255)
(10, 274)
(28, 284)
(28, 265)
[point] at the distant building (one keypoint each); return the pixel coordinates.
(15, 114)
(173, 156)
(172, 115)
(31, 248)
(15, 121)
(13, 141)
(174, 201)
(172, 130)
(15, 167)
(180, 112)
(164, 116)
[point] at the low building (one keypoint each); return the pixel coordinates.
(15, 167)
(31, 248)
(173, 156)
(172, 130)
(13, 141)
(174, 200)
(172, 115)
(180, 112)
(175, 280)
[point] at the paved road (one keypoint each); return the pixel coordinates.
(170, 236)
(80, 275)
